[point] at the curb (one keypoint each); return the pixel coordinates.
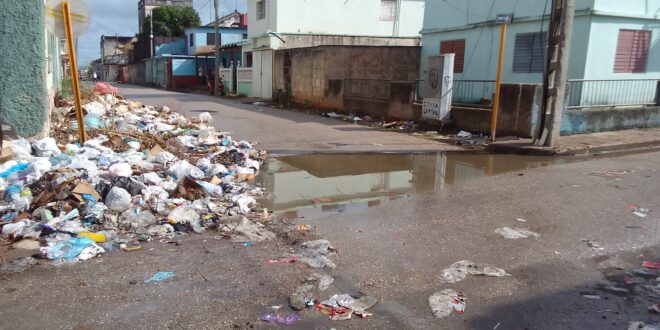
(527, 150)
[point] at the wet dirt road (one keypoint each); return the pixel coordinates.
(394, 251)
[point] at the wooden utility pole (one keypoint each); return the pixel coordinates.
(498, 83)
(555, 81)
(216, 73)
(68, 26)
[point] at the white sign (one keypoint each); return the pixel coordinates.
(55, 20)
(438, 85)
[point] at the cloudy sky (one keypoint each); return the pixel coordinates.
(110, 17)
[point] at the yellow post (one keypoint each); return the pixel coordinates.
(66, 12)
(498, 83)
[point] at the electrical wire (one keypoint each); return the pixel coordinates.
(467, 64)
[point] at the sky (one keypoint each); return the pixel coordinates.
(110, 17)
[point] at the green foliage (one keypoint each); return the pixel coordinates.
(66, 87)
(171, 21)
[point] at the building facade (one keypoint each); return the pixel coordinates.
(612, 40)
(114, 56)
(287, 24)
(146, 6)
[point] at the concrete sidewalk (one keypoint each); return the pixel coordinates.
(587, 144)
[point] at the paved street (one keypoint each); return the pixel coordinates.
(281, 130)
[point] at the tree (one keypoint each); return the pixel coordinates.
(171, 21)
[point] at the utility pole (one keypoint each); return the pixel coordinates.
(151, 32)
(555, 82)
(217, 50)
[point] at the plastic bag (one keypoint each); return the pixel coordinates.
(182, 168)
(204, 164)
(46, 147)
(150, 178)
(217, 169)
(83, 163)
(205, 117)
(164, 158)
(208, 136)
(92, 121)
(211, 189)
(21, 149)
(186, 214)
(69, 249)
(243, 202)
(120, 169)
(95, 108)
(118, 199)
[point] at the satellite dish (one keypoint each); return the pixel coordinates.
(55, 20)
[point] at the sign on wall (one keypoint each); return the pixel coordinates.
(438, 85)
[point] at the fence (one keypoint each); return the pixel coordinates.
(613, 93)
(465, 91)
(367, 88)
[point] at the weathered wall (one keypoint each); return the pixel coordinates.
(137, 73)
(23, 95)
(519, 107)
(601, 120)
(316, 76)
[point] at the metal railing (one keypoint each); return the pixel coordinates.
(465, 91)
(613, 93)
(367, 88)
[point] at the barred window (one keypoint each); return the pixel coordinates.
(261, 9)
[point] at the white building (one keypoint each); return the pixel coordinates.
(613, 40)
(277, 24)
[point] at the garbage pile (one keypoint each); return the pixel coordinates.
(143, 172)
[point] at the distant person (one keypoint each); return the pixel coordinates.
(96, 77)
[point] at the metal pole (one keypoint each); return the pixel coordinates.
(561, 79)
(498, 83)
(74, 69)
(217, 50)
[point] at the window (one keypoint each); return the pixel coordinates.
(632, 51)
(529, 52)
(245, 36)
(210, 39)
(455, 47)
(387, 10)
(192, 40)
(261, 9)
(248, 59)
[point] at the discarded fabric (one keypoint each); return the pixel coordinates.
(459, 270)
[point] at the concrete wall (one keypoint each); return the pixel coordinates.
(23, 83)
(601, 120)
(137, 73)
(316, 76)
(307, 40)
(520, 106)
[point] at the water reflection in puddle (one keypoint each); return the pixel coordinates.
(314, 184)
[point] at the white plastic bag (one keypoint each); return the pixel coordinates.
(82, 162)
(118, 199)
(204, 164)
(120, 169)
(46, 147)
(96, 108)
(164, 158)
(211, 189)
(182, 168)
(205, 117)
(217, 169)
(150, 178)
(21, 149)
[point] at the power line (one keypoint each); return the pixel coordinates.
(467, 65)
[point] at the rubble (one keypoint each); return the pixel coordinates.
(132, 180)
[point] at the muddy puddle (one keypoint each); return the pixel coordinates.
(312, 185)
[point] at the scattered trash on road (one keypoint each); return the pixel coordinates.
(610, 174)
(461, 269)
(638, 325)
(287, 260)
(160, 276)
(651, 264)
(594, 245)
(343, 306)
(516, 233)
(639, 211)
(316, 253)
(285, 319)
(521, 220)
(444, 302)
